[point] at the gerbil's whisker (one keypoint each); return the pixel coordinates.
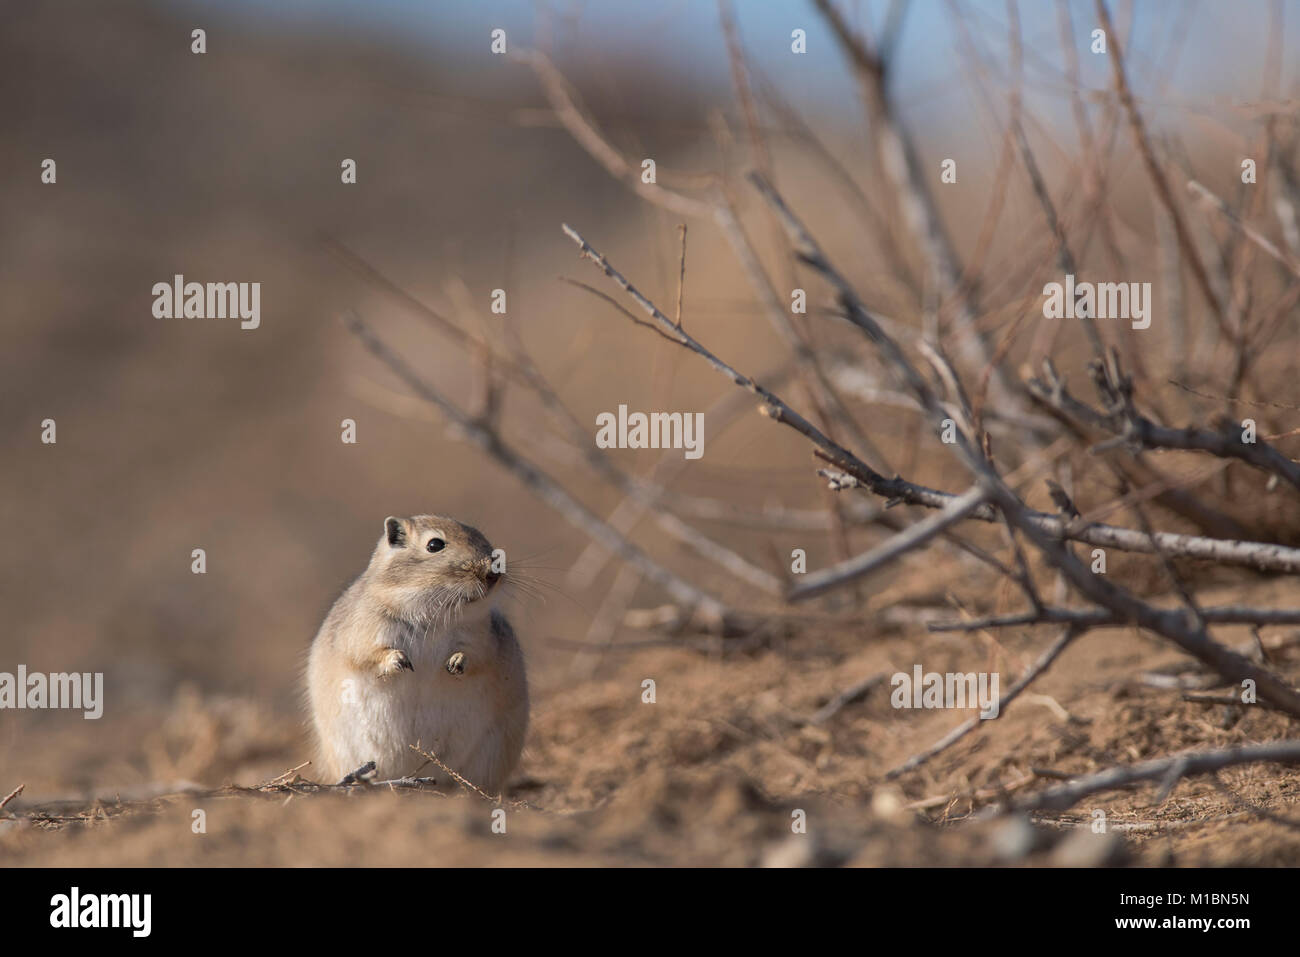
(525, 559)
(537, 588)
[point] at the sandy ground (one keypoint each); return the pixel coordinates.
(713, 772)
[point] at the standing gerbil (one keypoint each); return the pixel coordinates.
(412, 654)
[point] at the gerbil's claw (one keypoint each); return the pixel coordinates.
(456, 663)
(394, 660)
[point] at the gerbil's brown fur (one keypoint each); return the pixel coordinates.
(412, 654)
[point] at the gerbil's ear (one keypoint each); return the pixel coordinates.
(395, 529)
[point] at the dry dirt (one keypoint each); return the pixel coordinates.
(711, 773)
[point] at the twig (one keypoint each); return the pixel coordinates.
(1122, 419)
(1172, 768)
(1156, 173)
(681, 276)
(11, 795)
(1261, 555)
(966, 727)
(850, 695)
(581, 128)
(359, 775)
(1066, 258)
(993, 793)
(1254, 235)
(1101, 617)
(1236, 399)
(774, 407)
(914, 536)
(1201, 697)
(281, 778)
(900, 161)
(430, 756)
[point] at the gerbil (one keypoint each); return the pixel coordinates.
(412, 653)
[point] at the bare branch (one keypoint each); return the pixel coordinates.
(581, 128)
(1121, 418)
(542, 485)
(774, 407)
(1194, 639)
(681, 276)
(850, 695)
(11, 795)
(914, 536)
(1260, 555)
(1099, 617)
(1157, 175)
(1169, 769)
(1254, 235)
(966, 727)
(901, 163)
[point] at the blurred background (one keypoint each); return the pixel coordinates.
(183, 434)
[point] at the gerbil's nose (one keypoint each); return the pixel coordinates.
(492, 577)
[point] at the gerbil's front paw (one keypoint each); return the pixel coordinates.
(392, 661)
(456, 663)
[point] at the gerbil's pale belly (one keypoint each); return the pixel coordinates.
(462, 719)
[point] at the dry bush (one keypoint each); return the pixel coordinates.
(1037, 442)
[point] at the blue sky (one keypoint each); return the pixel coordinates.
(1223, 55)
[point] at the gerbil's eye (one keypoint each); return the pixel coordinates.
(436, 545)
